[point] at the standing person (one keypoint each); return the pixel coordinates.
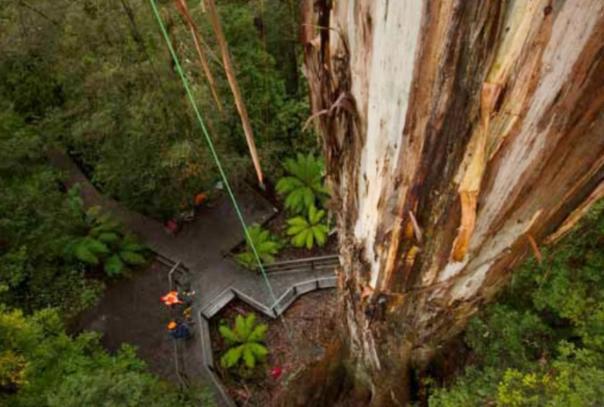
(179, 330)
(171, 299)
(200, 200)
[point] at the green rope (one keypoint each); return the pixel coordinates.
(212, 149)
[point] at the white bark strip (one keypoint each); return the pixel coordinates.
(394, 52)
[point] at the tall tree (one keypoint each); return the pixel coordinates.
(457, 134)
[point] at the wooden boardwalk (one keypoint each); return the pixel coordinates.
(201, 247)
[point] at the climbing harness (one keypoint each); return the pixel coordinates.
(215, 156)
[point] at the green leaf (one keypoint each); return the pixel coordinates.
(132, 258)
(84, 254)
(246, 259)
(240, 328)
(108, 237)
(259, 350)
(250, 321)
(231, 357)
(132, 246)
(320, 232)
(299, 240)
(96, 246)
(248, 356)
(297, 221)
(259, 333)
(228, 334)
(114, 266)
(309, 240)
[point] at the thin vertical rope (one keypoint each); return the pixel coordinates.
(215, 156)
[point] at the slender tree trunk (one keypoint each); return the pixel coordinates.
(210, 7)
(183, 9)
(454, 133)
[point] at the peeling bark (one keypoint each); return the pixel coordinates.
(468, 126)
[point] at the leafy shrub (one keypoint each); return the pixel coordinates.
(245, 341)
(37, 220)
(303, 187)
(310, 230)
(50, 368)
(106, 244)
(267, 246)
(543, 343)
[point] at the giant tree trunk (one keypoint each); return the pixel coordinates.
(455, 132)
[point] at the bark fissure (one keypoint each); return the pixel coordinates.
(469, 126)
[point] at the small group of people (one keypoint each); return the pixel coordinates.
(181, 303)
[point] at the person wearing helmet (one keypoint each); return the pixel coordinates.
(178, 330)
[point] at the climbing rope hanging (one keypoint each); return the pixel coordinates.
(215, 156)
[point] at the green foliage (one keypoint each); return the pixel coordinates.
(543, 343)
(37, 220)
(48, 368)
(303, 186)
(105, 243)
(100, 83)
(308, 231)
(245, 342)
(268, 64)
(267, 246)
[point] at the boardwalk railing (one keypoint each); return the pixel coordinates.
(321, 263)
(226, 296)
(178, 277)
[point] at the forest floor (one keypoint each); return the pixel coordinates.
(310, 321)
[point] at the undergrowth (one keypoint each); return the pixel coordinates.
(542, 343)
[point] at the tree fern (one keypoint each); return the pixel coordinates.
(244, 340)
(308, 231)
(303, 186)
(267, 245)
(105, 243)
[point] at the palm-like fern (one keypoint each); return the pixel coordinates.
(267, 246)
(303, 186)
(306, 231)
(105, 243)
(245, 341)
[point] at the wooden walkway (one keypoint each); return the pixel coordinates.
(201, 247)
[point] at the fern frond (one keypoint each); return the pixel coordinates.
(232, 356)
(228, 334)
(114, 266)
(306, 232)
